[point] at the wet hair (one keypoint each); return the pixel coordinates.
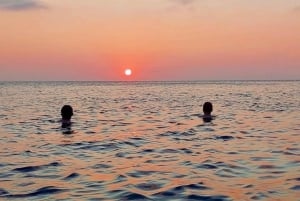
(207, 107)
(66, 112)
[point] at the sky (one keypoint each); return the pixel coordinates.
(158, 39)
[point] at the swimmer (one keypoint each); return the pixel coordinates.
(207, 109)
(66, 114)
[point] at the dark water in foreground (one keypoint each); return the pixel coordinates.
(144, 141)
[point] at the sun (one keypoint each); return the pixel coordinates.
(128, 72)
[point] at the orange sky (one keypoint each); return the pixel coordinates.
(159, 39)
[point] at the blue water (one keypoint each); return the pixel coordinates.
(146, 141)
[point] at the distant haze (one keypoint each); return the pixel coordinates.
(157, 39)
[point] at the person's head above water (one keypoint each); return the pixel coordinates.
(66, 112)
(207, 108)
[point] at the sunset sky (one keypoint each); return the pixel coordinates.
(157, 39)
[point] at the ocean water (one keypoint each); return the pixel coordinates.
(146, 141)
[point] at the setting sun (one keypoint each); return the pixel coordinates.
(128, 72)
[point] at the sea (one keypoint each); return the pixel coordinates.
(148, 141)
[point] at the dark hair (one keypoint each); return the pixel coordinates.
(207, 107)
(66, 112)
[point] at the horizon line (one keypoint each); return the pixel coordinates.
(202, 80)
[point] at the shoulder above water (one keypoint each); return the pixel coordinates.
(207, 118)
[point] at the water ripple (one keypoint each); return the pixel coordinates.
(147, 141)
(48, 190)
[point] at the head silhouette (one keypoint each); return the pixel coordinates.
(66, 112)
(207, 108)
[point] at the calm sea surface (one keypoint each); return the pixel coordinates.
(146, 141)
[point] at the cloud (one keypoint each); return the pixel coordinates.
(184, 2)
(297, 9)
(18, 5)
